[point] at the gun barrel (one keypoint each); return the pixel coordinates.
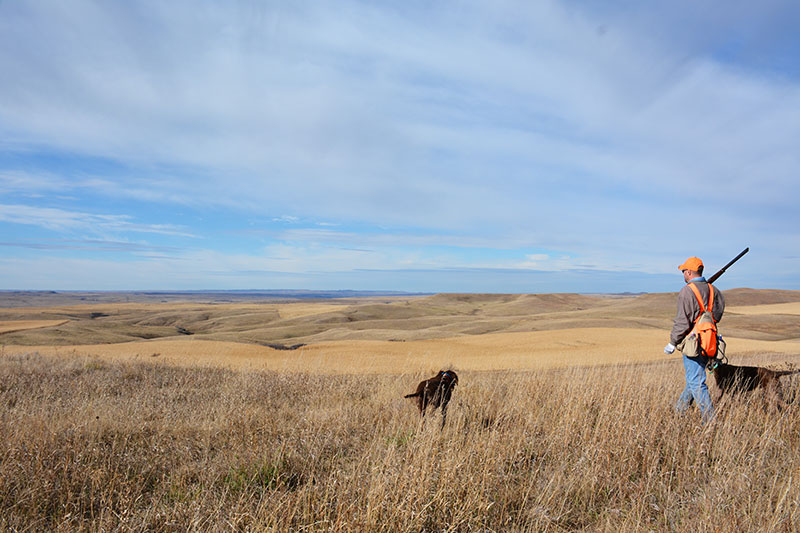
(721, 271)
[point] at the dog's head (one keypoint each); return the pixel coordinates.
(447, 378)
(722, 369)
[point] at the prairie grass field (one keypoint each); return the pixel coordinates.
(192, 416)
(92, 445)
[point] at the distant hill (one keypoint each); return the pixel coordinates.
(48, 298)
(760, 296)
(306, 317)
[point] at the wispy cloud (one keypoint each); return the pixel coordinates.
(93, 246)
(548, 134)
(31, 184)
(62, 220)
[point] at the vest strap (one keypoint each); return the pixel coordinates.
(696, 292)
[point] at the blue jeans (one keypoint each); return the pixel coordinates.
(696, 388)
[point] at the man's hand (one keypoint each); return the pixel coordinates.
(669, 348)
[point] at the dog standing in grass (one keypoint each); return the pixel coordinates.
(733, 378)
(436, 392)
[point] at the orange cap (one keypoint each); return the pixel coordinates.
(693, 263)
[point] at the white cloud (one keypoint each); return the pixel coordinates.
(355, 110)
(30, 184)
(289, 219)
(63, 220)
(549, 125)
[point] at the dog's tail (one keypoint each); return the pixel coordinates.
(780, 373)
(413, 395)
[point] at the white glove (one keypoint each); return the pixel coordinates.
(669, 348)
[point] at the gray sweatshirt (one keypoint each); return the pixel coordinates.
(689, 309)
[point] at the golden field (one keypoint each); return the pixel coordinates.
(380, 335)
(186, 416)
(791, 308)
(11, 326)
(489, 352)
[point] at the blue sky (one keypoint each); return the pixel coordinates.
(549, 146)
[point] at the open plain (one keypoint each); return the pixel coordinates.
(387, 334)
(176, 414)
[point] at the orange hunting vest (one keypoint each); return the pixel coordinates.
(705, 327)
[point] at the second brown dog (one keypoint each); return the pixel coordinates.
(730, 378)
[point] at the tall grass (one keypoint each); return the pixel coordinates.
(88, 445)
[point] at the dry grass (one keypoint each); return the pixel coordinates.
(92, 445)
(10, 326)
(491, 352)
(562, 421)
(791, 308)
(297, 310)
(443, 316)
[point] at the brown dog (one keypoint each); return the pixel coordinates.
(732, 378)
(435, 391)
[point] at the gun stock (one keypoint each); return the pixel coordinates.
(721, 271)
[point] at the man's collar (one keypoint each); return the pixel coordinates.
(701, 278)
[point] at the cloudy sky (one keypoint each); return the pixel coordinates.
(452, 146)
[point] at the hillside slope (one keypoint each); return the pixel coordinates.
(754, 314)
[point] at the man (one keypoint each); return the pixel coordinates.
(688, 311)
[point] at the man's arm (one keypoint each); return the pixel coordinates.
(683, 317)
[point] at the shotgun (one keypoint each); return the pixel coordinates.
(721, 271)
